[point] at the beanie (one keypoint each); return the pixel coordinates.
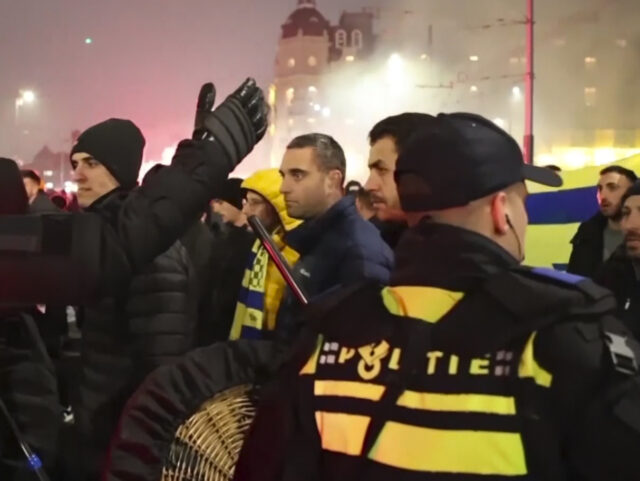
(118, 145)
(13, 196)
(231, 192)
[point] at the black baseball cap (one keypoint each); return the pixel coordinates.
(460, 158)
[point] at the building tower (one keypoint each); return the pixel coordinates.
(302, 58)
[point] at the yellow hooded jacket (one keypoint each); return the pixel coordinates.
(263, 286)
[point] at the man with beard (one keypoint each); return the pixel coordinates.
(621, 272)
(388, 139)
(599, 237)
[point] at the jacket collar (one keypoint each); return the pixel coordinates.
(305, 237)
(440, 255)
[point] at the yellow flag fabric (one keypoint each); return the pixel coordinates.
(555, 214)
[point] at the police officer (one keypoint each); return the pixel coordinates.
(469, 366)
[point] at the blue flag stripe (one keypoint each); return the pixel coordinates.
(562, 207)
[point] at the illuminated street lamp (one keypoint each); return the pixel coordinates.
(25, 97)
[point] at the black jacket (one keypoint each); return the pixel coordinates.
(580, 423)
(588, 246)
(149, 322)
(618, 275)
(337, 248)
(231, 250)
(42, 204)
(28, 390)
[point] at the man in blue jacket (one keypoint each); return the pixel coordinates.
(336, 246)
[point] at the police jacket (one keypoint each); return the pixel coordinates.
(337, 248)
(469, 367)
(150, 322)
(588, 246)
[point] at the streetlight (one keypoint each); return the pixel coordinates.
(516, 92)
(25, 97)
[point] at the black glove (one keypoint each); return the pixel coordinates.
(238, 123)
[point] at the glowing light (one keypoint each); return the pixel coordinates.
(590, 60)
(349, 58)
(48, 185)
(317, 107)
(70, 186)
(272, 95)
(326, 112)
(474, 58)
(311, 120)
(473, 88)
(88, 41)
(604, 156)
(575, 158)
(499, 122)
(424, 56)
(48, 173)
(312, 89)
(516, 92)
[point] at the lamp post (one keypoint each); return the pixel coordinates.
(528, 119)
(25, 97)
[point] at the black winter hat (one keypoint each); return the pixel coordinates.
(118, 145)
(13, 197)
(232, 192)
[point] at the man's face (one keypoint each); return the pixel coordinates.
(32, 188)
(511, 219)
(630, 223)
(229, 213)
(611, 188)
(381, 184)
(307, 190)
(93, 179)
(256, 205)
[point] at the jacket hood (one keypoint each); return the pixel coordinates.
(267, 183)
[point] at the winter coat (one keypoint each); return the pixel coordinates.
(588, 245)
(263, 286)
(337, 248)
(618, 275)
(28, 389)
(42, 204)
(150, 322)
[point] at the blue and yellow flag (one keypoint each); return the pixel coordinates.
(554, 215)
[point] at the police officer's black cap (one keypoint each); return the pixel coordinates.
(461, 158)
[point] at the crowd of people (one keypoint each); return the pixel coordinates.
(437, 356)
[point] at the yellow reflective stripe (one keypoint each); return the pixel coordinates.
(449, 451)
(427, 303)
(530, 368)
(353, 389)
(476, 403)
(312, 363)
(342, 433)
(469, 403)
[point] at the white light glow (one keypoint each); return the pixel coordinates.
(349, 58)
(474, 58)
(28, 96)
(326, 112)
(70, 186)
(516, 92)
(317, 107)
(48, 185)
(473, 88)
(48, 173)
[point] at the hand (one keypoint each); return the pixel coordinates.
(237, 124)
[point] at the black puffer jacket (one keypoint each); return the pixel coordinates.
(149, 323)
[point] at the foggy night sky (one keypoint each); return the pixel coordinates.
(149, 57)
(147, 61)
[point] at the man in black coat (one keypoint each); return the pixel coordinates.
(149, 322)
(621, 272)
(39, 201)
(599, 237)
